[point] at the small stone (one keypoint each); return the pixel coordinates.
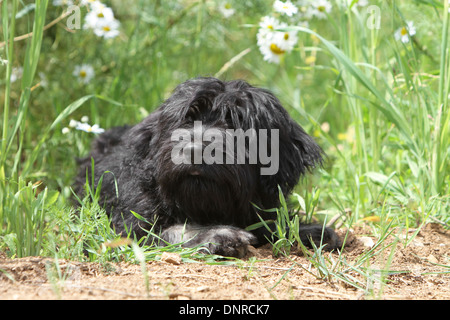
(202, 289)
(432, 259)
(170, 257)
(367, 241)
(417, 243)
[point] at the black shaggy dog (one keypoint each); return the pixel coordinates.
(184, 169)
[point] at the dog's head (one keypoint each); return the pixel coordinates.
(215, 147)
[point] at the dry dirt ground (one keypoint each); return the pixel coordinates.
(423, 273)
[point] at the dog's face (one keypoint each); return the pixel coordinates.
(217, 147)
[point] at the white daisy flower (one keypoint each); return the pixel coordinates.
(84, 73)
(325, 127)
(3, 61)
(359, 3)
(89, 2)
(319, 9)
(273, 44)
(107, 28)
(268, 24)
(43, 79)
(226, 9)
(285, 7)
(65, 130)
(73, 123)
(271, 52)
(96, 5)
(266, 32)
(404, 33)
(98, 13)
(62, 3)
(362, 3)
(101, 20)
(88, 128)
(16, 74)
(84, 119)
(286, 40)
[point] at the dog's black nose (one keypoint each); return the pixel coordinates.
(193, 152)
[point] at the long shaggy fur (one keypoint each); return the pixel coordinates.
(199, 202)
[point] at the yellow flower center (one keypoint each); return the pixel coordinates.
(275, 49)
(321, 8)
(342, 136)
(286, 36)
(310, 60)
(106, 28)
(100, 15)
(404, 31)
(270, 27)
(227, 6)
(83, 74)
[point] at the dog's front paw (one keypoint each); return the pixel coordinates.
(222, 240)
(228, 241)
(313, 233)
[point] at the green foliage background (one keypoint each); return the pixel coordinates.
(377, 106)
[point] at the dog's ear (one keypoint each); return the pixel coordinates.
(140, 136)
(297, 152)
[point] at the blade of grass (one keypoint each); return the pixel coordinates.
(29, 70)
(8, 34)
(34, 49)
(440, 146)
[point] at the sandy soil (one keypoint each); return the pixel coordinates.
(421, 272)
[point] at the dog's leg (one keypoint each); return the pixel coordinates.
(314, 232)
(307, 233)
(223, 240)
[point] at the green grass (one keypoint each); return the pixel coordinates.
(377, 106)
